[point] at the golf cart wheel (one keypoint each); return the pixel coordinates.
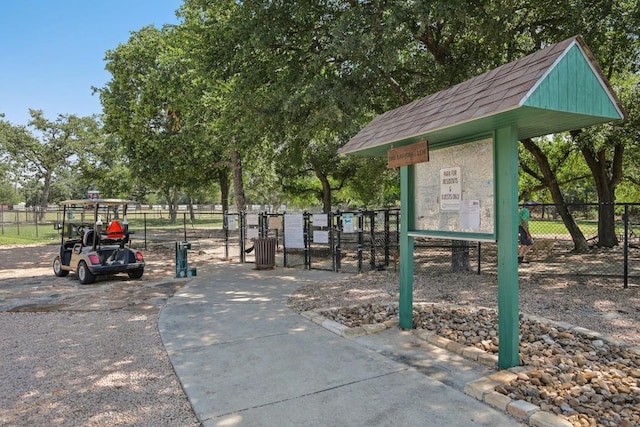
(135, 274)
(57, 268)
(84, 275)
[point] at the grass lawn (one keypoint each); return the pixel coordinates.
(28, 237)
(28, 233)
(589, 228)
(556, 227)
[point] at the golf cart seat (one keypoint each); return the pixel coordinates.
(87, 239)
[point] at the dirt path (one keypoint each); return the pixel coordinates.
(27, 282)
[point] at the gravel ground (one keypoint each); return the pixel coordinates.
(599, 304)
(105, 368)
(100, 364)
(585, 378)
(97, 368)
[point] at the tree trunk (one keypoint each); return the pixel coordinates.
(326, 189)
(171, 196)
(223, 181)
(44, 201)
(460, 256)
(238, 182)
(579, 242)
(192, 214)
(607, 237)
(607, 175)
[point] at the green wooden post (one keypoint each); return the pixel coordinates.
(506, 220)
(407, 214)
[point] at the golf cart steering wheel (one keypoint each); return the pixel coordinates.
(81, 229)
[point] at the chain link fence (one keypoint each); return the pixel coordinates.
(365, 240)
(553, 251)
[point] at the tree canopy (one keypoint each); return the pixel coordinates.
(44, 149)
(259, 96)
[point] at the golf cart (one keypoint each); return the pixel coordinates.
(90, 250)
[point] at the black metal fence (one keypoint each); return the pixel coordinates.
(339, 241)
(366, 240)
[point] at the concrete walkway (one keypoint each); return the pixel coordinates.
(245, 359)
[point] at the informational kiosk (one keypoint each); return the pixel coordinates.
(468, 187)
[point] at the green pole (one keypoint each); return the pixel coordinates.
(405, 305)
(506, 223)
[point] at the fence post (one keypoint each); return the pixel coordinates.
(372, 237)
(284, 240)
(626, 246)
(144, 221)
(386, 237)
(331, 240)
(278, 231)
(241, 222)
(307, 239)
(262, 224)
(184, 226)
(225, 226)
(338, 252)
(360, 239)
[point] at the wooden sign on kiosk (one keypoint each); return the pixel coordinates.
(408, 155)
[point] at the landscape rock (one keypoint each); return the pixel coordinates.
(568, 373)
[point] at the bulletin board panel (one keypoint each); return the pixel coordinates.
(454, 192)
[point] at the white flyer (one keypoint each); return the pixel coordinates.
(321, 236)
(294, 231)
(320, 220)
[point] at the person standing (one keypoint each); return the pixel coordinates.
(524, 234)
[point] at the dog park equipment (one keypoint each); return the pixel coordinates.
(473, 130)
(182, 263)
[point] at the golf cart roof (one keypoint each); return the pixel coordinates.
(101, 202)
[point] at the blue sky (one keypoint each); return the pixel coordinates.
(52, 51)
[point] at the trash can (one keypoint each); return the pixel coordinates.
(265, 253)
(181, 258)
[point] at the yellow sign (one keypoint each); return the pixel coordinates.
(408, 154)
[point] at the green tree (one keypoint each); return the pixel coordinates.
(45, 148)
(147, 104)
(227, 102)
(550, 157)
(610, 28)
(288, 99)
(504, 31)
(104, 167)
(630, 131)
(269, 82)
(8, 193)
